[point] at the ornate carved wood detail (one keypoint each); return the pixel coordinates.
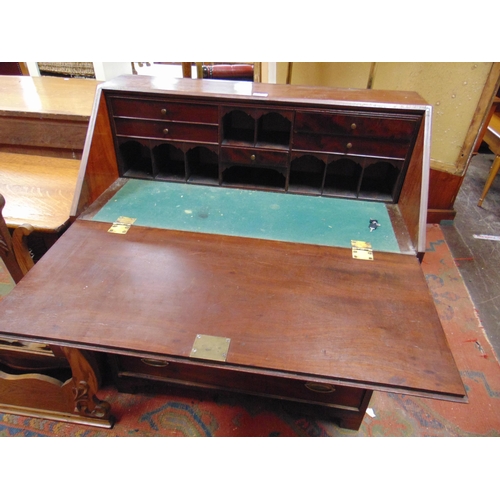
(86, 403)
(86, 384)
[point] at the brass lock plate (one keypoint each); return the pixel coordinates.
(210, 347)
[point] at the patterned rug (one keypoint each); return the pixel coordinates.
(395, 415)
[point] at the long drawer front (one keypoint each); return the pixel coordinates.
(164, 110)
(398, 128)
(166, 130)
(242, 381)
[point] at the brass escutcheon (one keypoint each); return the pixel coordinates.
(317, 387)
(154, 362)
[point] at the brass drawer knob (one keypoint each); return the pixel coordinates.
(165, 131)
(252, 157)
(353, 126)
(157, 363)
(317, 387)
(349, 145)
(163, 111)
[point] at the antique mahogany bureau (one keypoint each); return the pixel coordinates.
(262, 239)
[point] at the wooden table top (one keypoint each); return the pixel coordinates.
(47, 95)
(38, 190)
(287, 307)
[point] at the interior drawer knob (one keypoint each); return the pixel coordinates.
(349, 145)
(252, 157)
(165, 131)
(353, 126)
(317, 387)
(163, 111)
(154, 362)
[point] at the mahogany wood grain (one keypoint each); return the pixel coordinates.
(410, 198)
(443, 190)
(287, 307)
(99, 168)
(243, 91)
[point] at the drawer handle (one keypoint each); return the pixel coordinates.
(353, 126)
(163, 111)
(323, 388)
(252, 157)
(165, 131)
(349, 145)
(154, 362)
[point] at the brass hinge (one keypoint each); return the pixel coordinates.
(361, 250)
(121, 225)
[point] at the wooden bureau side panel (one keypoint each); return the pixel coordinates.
(98, 168)
(410, 198)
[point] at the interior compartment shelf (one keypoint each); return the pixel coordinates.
(271, 129)
(202, 166)
(306, 175)
(169, 162)
(257, 177)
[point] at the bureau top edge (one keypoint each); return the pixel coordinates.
(266, 93)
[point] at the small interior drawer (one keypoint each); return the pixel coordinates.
(250, 156)
(348, 145)
(353, 125)
(166, 130)
(230, 378)
(163, 110)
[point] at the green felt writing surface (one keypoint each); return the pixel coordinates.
(253, 214)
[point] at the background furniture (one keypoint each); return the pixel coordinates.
(168, 280)
(492, 138)
(224, 71)
(43, 124)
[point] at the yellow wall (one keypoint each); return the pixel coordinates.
(453, 90)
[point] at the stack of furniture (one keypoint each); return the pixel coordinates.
(262, 239)
(43, 125)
